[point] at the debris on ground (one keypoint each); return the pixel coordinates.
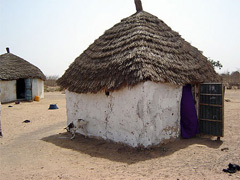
(232, 168)
(225, 149)
(26, 121)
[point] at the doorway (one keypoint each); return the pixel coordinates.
(20, 89)
(189, 120)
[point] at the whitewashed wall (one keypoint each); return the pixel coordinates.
(0, 112)
(147, 114)
(8, 89)
(37, 88)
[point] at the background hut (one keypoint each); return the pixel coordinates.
(19, 79)
(0, 116)
(128, 83)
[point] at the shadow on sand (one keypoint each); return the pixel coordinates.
(122, 153)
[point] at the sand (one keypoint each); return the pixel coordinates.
(42, 149)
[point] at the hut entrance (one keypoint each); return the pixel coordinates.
(189, 120)
(209, 103)
(20, 89)
(211, 109)
(24, 89)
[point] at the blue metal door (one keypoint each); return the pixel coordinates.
(28, 89)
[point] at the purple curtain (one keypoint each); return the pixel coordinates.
(189, 121)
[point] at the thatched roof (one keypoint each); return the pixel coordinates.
(139, 48)
(13, 67)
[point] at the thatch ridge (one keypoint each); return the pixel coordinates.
(139, 48)
(13, 67)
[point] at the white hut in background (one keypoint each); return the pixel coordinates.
(128, 83)
(0, 116)
(19, 79)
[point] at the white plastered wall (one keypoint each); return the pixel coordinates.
(8, 91)
(0, 111)
(147, 114)
(37, 88)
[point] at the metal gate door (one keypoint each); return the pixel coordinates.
(28, 89)
(211, 109)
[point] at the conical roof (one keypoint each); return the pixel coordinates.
(139, 48)
(13, 67)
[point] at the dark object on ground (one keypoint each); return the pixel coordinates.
(10, 106)
(1, 134)
(225, 149)
(53, 106)
(26, 121)
(232, 168)
(17, 102)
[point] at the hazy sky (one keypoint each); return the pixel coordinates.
(52, 33)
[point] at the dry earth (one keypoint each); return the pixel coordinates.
(41, 149)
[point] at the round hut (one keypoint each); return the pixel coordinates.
(128, 83)
(19, 79)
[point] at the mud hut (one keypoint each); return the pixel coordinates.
(128, 83)
(0, 123)
(19, 79)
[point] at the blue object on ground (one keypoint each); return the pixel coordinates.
(53, 106)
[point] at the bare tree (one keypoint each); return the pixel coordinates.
(51, 80)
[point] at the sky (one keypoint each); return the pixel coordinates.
(51, 33)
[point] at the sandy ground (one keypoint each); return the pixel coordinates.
(41, 149)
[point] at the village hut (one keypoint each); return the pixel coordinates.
(19, 79)
(1, 134)
(128, 83)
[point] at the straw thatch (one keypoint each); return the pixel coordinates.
(13, 67)
(139, 48)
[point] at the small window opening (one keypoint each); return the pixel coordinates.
(107, 93)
